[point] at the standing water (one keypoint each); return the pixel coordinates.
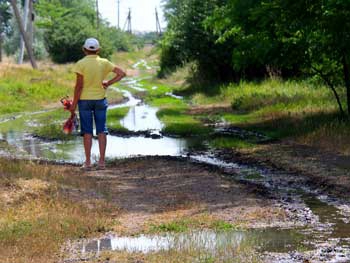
(141, 117)
(326, 230)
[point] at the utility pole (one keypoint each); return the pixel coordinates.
(25, 21)
(128, 23)
(158, 28)
(24, 34)
(97, 16)
(118, 14)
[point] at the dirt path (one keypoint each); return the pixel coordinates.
(158, 190)
(328, 171)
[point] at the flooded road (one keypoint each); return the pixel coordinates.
(319, 231)
(141, 117)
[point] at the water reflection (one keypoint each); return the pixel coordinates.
(142, 118)
(131, 100)
(117, 147)
(271, 240)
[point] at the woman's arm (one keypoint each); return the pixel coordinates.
(119, 74)
(79, 83)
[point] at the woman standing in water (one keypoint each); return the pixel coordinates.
(90, 96)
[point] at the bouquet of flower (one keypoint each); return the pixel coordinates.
(72, 123)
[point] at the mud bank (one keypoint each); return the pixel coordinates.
(161, 190)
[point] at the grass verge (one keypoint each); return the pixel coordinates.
(26, 89)
(191, 223)
(178, 123)
(114, 116)
(303, 111)
(229, 142)
(39, 211)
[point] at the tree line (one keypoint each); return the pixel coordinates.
(231, 40)
(61, 26)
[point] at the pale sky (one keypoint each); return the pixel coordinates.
(142, 13)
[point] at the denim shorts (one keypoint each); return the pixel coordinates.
(93, 109)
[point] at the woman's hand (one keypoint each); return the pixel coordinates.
(72, 108)
(105, 84)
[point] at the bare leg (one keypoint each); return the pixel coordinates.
(102, 143)
(87, 148)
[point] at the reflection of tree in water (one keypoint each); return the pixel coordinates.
(207, 243)
(68, 151)
(19, 143)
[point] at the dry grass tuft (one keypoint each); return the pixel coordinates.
(38, 214)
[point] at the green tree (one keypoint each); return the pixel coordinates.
(5, 16)
(68, 23)
(254, 38)
(321, 32)
(188, 40)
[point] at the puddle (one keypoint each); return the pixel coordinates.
(117, 147)
(141, 64)
(322, 236)
(140, 117)
(131, 100)
(324, 222)
(332, 223)
(132, 83)
(174, 96)
(273, 240)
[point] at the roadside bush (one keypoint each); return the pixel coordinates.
(64, 41)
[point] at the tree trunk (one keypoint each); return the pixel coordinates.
(1, 47)
(30, 24)
(331, 86)
(25, 21)
(347, 80)
(24, 34)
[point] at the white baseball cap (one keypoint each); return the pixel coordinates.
(92, 44)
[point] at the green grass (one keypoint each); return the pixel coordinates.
(114, 116)
(25, 89)
(53, 131)
(292, 96)
(177, 122)
(301, 110)
(188, 224)
(295, 126)
(50, 125)
(173, 112)
(150, 84)
(167, 102)
(229, 142)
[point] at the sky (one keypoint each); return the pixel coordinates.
(142, 13)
